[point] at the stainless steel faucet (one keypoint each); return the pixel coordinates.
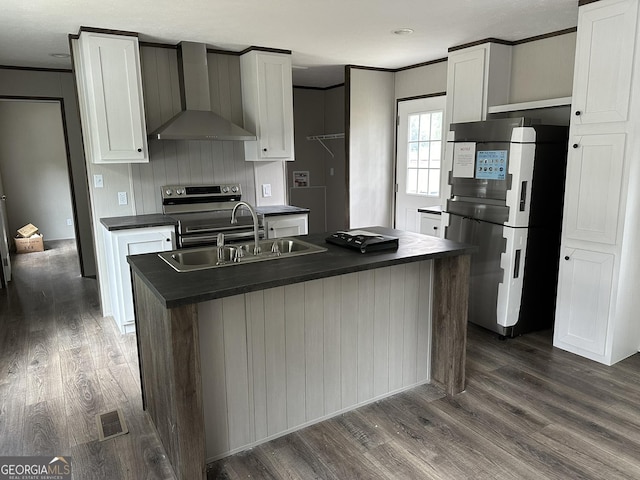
(234, 220)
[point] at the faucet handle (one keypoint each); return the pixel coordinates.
(220, 240)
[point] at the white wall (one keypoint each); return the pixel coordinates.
(33, 162)
(424, 80)
(371, 146)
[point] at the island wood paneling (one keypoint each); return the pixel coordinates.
(278, 359)
(171, 373)
(451, 294)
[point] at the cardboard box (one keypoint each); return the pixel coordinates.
(29, 245)
(27, 231)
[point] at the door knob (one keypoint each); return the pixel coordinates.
(3, 197)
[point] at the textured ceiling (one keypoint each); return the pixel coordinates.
(324, 35)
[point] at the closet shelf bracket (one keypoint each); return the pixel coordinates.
(329, 136)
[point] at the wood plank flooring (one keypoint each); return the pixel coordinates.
(529, 411)
(61, 364)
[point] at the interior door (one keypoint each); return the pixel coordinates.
(5, 260)
(420, 147)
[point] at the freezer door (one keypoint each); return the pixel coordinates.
(486, 272)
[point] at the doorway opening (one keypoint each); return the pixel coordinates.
(35, 175)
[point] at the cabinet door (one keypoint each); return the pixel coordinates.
(287, 226)
(275, 99)
(135, 242)
(594, 180)
(604, 61)
(431, 225)
(584, 293)
(466, 86)
(114, 98)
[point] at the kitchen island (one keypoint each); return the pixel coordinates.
(237, 355)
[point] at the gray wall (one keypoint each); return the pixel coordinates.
(60, 85)
(543, 69)
(334, 122)
(318, 112)
(33, 160)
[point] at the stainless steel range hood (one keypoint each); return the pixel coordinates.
(197, 121)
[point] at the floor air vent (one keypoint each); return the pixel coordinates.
(111, 424)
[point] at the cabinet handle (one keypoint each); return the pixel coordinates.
(435, 228)
(575, 145)
(168, 239)
(139, 150)
(567, 257)
(264, 149)
(578, 113)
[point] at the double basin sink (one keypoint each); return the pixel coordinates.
(201, 258)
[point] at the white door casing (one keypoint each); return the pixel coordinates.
(407, 216)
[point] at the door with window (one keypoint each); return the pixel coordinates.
(420, 149)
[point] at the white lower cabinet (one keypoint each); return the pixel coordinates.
(431, 224)
(119, 244)
(584, 302)
(286, 225)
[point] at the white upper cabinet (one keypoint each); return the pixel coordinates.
(267, 97)
(604, 61)
(477, 77)
(111, 96)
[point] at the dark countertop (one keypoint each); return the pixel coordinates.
(436, 209)
(280, 210)
(174, 289)
(158, 219)
(137, 221)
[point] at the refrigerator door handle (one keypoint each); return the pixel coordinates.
(516, 267)
(523, 196)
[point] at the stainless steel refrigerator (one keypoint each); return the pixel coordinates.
(505, 194)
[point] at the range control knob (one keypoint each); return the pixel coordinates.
(225, 189)
(180, 191)
(168, 192)
(234, 189)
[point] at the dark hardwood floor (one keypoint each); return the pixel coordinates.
(61, 364)
(530, 411)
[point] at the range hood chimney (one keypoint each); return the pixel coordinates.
(197, 121)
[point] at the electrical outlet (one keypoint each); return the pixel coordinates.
(266, 190)
(122, 198)
(97, 181)
(69, 222)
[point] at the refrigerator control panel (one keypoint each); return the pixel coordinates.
(491, 164)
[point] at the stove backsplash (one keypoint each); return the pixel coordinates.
(183, 162)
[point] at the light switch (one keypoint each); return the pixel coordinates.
(266, 190)
(97, 181)
(122, 198)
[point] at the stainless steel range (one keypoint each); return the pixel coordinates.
(204, 211)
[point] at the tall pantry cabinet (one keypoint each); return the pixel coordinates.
(598, 303)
